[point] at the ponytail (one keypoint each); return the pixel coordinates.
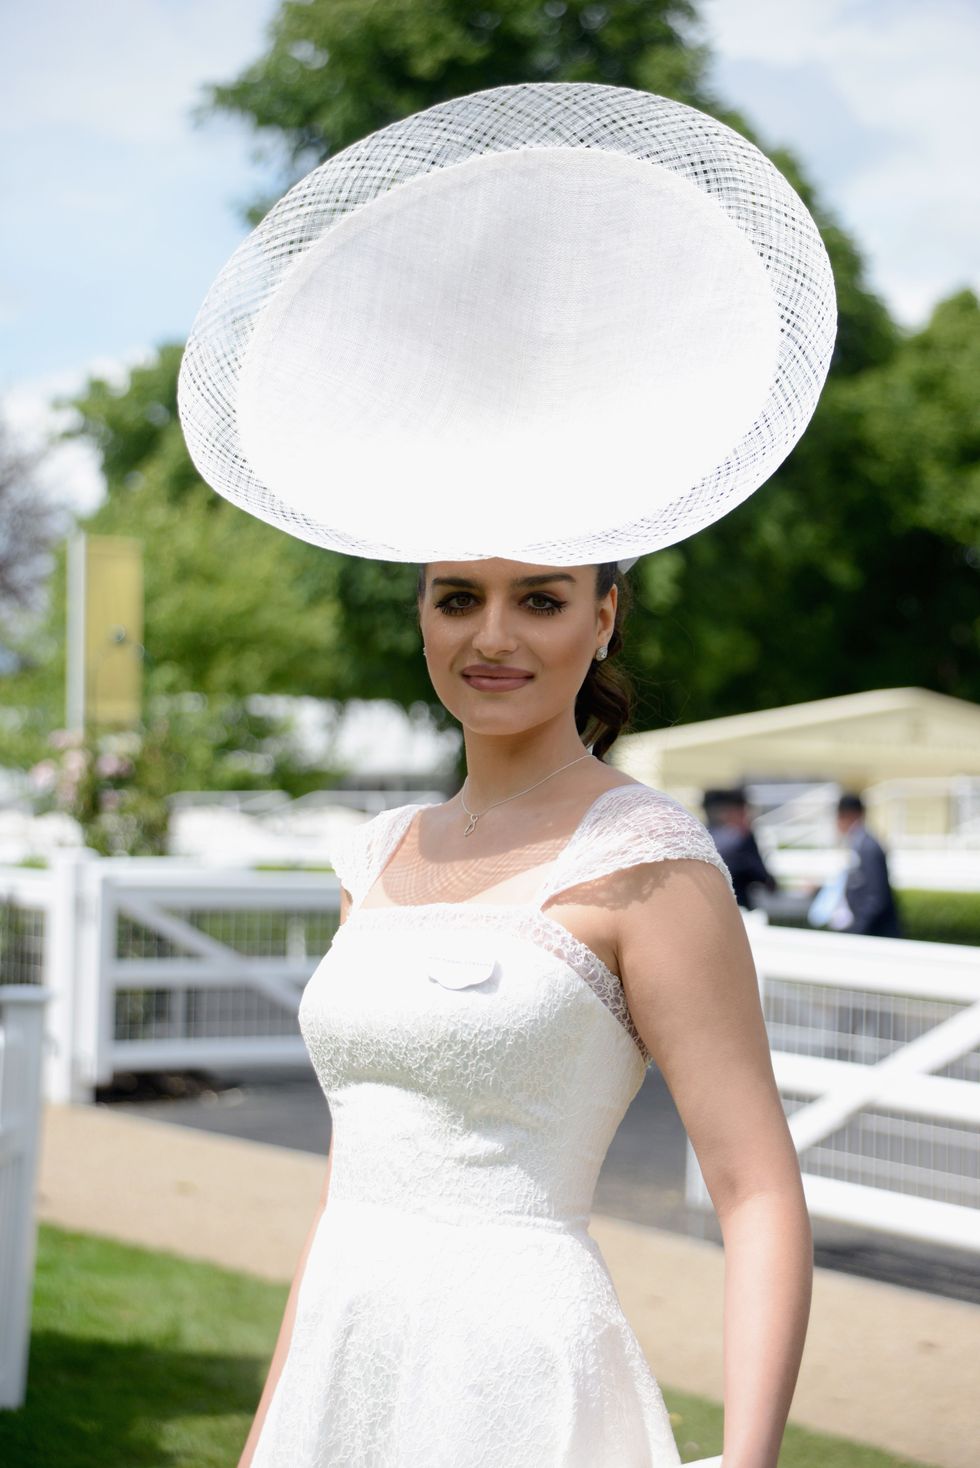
(605, 702)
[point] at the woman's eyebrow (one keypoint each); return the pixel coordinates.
(538, 580)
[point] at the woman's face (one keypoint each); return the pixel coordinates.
(541, 623)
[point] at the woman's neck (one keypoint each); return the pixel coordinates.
(499, 767)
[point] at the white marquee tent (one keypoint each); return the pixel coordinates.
(926, 742)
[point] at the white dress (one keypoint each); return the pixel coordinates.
(477, 1059)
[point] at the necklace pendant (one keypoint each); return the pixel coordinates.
(472, 822)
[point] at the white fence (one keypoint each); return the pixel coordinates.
(155, 964)
(874, 1046)
(21, 1031)
(161, 964)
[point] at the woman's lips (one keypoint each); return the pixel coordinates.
(488, 683)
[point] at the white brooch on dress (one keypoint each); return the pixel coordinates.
(460, 973)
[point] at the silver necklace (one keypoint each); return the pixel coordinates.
(474, 816)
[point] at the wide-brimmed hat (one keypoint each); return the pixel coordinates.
(561, 323)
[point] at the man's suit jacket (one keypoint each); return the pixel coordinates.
(868, 892)
(740, 852)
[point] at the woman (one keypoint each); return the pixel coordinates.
(519, 339)
(454, 1310)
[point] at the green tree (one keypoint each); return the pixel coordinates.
(31, 523)
(922, 436)
(855, 566)
(335, 70)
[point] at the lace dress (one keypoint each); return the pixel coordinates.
(477, 1058)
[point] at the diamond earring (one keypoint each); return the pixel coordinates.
(601, 653)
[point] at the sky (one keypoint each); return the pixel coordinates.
(120, 211)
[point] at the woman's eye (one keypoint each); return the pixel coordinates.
(445, 604)
(551, 605)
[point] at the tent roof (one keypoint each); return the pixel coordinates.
(875, 735)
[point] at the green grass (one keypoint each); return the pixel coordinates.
(141, 1359)
(940, 917)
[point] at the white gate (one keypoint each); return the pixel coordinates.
(178, 967)
(875, 1047)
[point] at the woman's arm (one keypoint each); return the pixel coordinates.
(286, 1328)
(690, 982)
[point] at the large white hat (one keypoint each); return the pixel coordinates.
(555, 322)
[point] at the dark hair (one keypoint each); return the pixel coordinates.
(605, 702)
(727, 799)
(850, 801)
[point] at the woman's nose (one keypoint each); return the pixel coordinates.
(494, 631)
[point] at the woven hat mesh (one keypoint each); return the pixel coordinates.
(719, 161)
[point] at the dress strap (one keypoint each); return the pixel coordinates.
(629, 825)
(358, 854)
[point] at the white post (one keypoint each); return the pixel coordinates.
(95, 996)
(62, 1081)
(21, 1035)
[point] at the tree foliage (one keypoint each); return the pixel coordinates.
(30, 525)
(855, 566)
(335, 70)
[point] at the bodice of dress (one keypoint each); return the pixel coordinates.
(478, 1058)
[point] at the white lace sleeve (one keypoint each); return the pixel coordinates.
(341, 853)
(358, 853)
(636, 824)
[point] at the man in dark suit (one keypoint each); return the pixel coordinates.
(730, 825)
(868, 892)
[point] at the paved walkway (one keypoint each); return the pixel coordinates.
(884, 1365)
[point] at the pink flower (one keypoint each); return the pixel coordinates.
(65, 738)
(113, 767)
(44, 775)
(75, 761)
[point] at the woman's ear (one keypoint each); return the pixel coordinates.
(608, 609)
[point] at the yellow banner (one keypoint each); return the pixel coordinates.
(105, 639)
